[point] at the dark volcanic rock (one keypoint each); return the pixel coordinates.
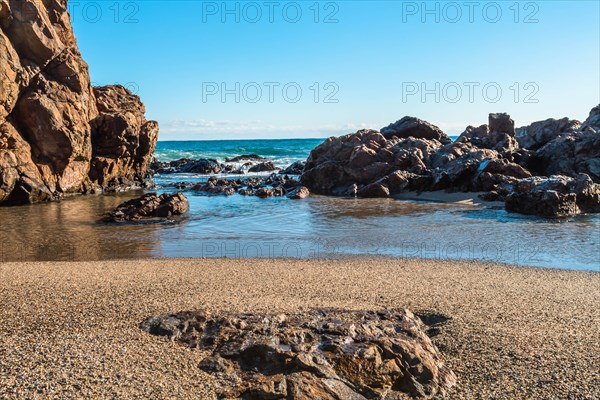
(267, 166)
(359, 159)
(546, 203)
(58, 135)
(323, 354)
(148, 207)
(572, 154)
(486, 138)
(484, 159)
(539, 133)
(416, 128)
(272, 186)
(295, 169)
(246, 157)
(204, 166)
(556, 196)
(502, 122)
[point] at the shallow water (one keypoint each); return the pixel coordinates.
(237, 226)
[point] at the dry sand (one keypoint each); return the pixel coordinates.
(70, 330)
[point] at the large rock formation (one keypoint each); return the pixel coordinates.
(58, 135)
(323, 354)
(413, 155)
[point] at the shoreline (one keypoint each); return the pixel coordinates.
(71, 328)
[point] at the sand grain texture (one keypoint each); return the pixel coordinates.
(70, 330)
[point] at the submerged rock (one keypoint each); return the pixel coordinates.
(299, 193)
(246, 157)
(148, 207)
(323, 354)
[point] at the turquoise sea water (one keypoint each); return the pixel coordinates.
(318, 227)
(282, 152)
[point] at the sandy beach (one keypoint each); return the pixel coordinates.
(70, 330)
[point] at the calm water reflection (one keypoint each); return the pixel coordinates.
(239, 226)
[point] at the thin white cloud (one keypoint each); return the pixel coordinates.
(227, 129)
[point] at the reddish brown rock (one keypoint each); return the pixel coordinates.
(49, 112)
(324, 354)
(123, 141)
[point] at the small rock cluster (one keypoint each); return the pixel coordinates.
(324, 354)
(240, 165)
(151, 206)
(272, 186)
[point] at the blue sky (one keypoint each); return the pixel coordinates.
(315, 69)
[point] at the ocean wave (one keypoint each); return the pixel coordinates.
(281, 152)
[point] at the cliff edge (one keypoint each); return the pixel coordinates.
(58, 134)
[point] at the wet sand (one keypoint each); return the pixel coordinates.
(70, 330)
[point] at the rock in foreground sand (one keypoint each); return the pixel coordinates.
(327, 354)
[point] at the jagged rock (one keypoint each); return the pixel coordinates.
(123, 140)
(20, 180)
(363, 158)
(502, 122)
(572, 154)
(295, 169)
(272, 186)
(539, 133)
(416, 128)
(588, 194)
(485, 138)
(203, 166)
(148, 207)
(556, 196)
(48, 112)
(593, 120)
(267, 166)
(375, 189)
(246, 157)
(483, 159)
(299, 193)
(324, 354)
(266, 192)
(547, 203)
